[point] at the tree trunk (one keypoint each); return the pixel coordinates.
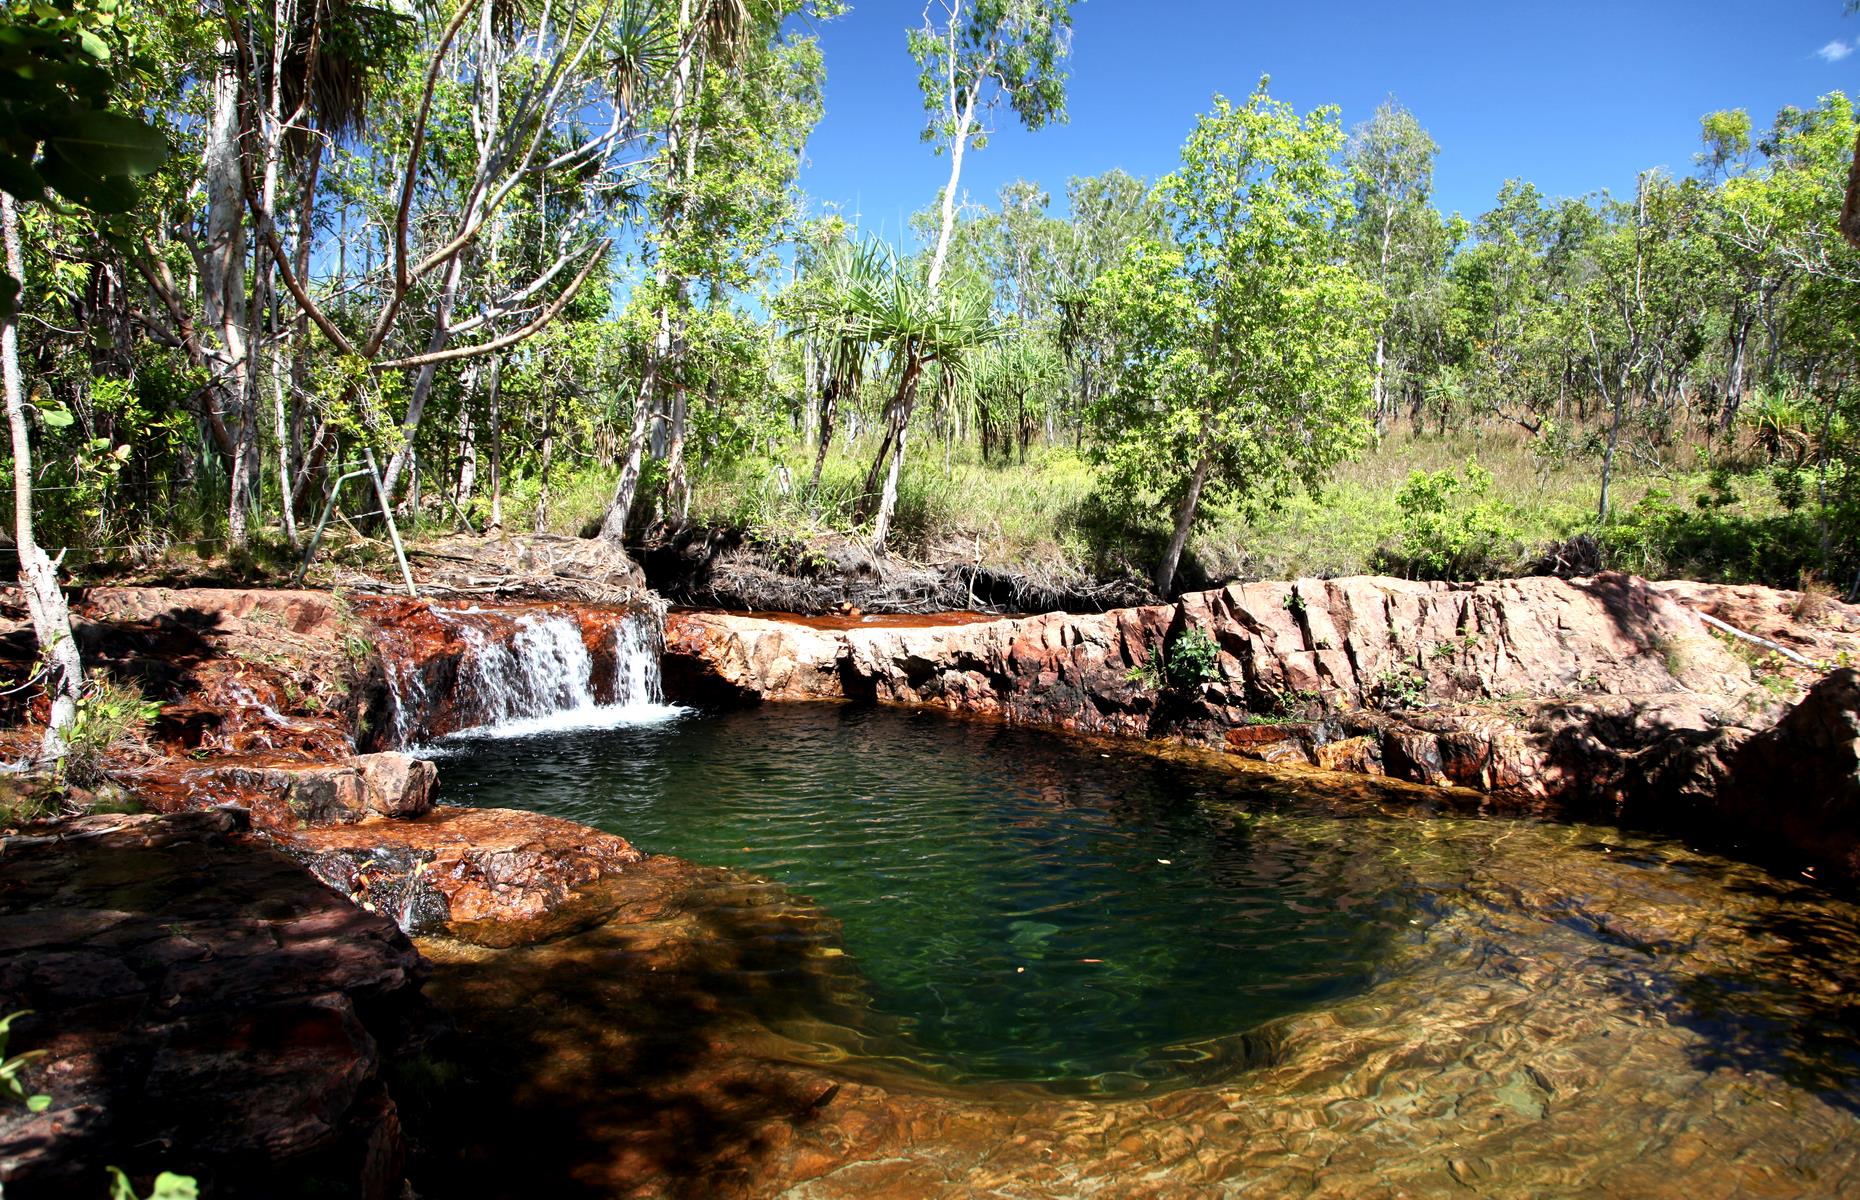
(497, 445)
(897, 419)
(38, 577)
(613, 525)
(1184, 521)
(1741, 319)
(889, 503)
(223, 282)
(827, 406)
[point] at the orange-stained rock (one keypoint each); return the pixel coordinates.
(284, 793)
(494, 876)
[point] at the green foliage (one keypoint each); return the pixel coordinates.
(1713, 542)
(1243, 345)
(57, 129)
(12, 1086)
(167, 1186)
(1011, 48)
(1192, 658)
(1399, 688)
(1452, 528)
(110, 715)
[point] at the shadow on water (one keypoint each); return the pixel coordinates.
(1790, 1010)
(616, 1059)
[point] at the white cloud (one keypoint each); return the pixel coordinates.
(1835, 51)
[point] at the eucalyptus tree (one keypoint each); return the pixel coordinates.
(741, 97)
(1391, 160)
(506, 112)
(972, 55)
(1106, 215)
(1245, 345)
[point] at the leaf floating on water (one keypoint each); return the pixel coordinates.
(1030, 933)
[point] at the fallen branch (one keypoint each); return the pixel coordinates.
(1764, 642)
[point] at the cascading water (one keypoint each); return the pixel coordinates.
(537, 677)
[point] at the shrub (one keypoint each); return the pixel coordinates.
(1659, 538)
(1451, 529)
(110, 716)
(1192, 658)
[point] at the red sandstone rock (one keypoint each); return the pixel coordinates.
(495, 876)
(1797, 785)
(205, 1006)
(1604, 695)
(290, 794)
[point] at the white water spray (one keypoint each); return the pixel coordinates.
(542, 679)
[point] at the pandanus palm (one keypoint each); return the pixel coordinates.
(899, 312)
(826, 314)
(870, 302)
(1013, 381)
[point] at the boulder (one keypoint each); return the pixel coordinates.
(491, 876)
(1796, 786)
(289, 794)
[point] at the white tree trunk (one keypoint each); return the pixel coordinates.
(889, 503)
(223, 283)
(38, 577)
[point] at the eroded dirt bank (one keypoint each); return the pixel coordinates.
(1608, 696)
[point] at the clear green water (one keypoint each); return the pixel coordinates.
(1020, 906)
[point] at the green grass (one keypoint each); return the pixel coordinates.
(1047, 515)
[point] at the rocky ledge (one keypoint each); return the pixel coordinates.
(1608, 696)
(203, 1006)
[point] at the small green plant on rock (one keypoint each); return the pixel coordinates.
(11, 1067)
(1191, 659)
(168, 1186)
(1400, 687)
(110, 715)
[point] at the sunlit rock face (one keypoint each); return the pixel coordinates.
(492, 876)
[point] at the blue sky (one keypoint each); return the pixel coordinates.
(1573, 95)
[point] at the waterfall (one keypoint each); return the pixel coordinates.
(534, 675)
(637, 683)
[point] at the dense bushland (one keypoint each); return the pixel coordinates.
(552, 270)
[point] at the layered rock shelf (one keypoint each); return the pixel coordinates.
(250, 944)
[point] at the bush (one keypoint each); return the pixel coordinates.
(110, 717)
(1451, 529)
(1192, 658)
(1658, 538)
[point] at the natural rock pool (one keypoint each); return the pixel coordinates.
(924, 956)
